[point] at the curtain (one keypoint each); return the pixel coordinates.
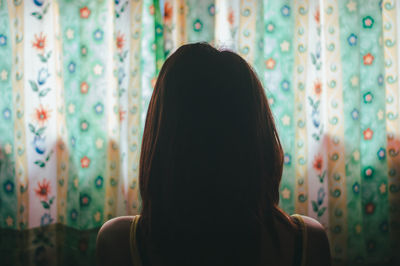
(76, 78)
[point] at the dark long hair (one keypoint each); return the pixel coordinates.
(211, 161)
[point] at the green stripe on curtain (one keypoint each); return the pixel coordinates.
(83, 29)
(148, 58)
(278, 72)
(8, 183)
(258, 63)
(200, 20)
(373, 133)
(72, 49)
(159, 33)
(350, 50)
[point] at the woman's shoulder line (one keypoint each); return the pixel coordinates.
(112, 245)
(318, 250)
(311, 223)
(115, 224)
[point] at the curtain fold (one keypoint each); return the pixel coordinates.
(76, 78)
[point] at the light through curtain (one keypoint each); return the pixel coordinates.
(76, 78)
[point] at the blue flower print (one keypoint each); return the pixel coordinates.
(71, 67)
(354, 114)
(315, 117)
(98, 35)
(73, 141)
(380, 80)
(7, 113)
(285, 10)
(285, 85)
(381, 154)
(384, 227)
(321, 196)
(98, 108)
(121, 75)
(74, 215)
(99, 181)
(38, 2)
(287, 159)
(46, 219)
(211, 10)
(39, 144)
(3, 40)
(42, 76)
(352, 39)
(356, 188)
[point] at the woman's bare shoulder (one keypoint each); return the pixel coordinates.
(112, 245)
(318, 252)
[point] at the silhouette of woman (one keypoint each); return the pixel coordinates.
(210, 168)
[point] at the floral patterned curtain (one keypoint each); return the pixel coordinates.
(76, 78)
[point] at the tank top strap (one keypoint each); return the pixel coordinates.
(301, 241)
(133, 242)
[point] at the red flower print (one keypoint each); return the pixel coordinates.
(368, 171)
(121, 115)
(120, 41)
(317, 87)
(151, 9)
(84, 87)
(85, 12)
(41, 115)
(270, 63)
(167, 12)
(84, 125)
(231, 17)
(368, 133)
(318, 163)
(270, 27)
(85, 200)
(40, 42)
(84, 50)
(369, 208)
(368, 59)
(85, 162)
(317, 16)
(43, 189)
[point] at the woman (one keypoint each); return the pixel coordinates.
(210, 168)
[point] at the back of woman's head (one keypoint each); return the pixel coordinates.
(211, 160)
